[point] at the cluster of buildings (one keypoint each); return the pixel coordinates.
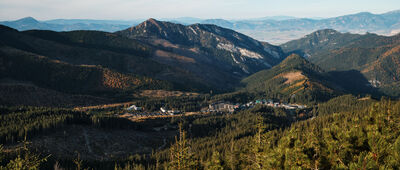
(271, 103)
(229, 107)
(170, 112)
(222, 107)
(138, 112)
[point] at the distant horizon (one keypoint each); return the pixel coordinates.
(190, 17)
(206, 9)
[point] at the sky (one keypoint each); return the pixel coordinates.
(226, 9)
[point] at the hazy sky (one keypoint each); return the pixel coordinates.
(228, 9)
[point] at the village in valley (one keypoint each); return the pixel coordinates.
(135, 112)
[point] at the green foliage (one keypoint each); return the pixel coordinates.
(348, 133)
(344, 104)
(32, 121)
(25, 159)
(181, 156)
(236, 97)
(78, 162)
(187, 104)
(391, 89)
(1, 153)
(215, 162)
(130, 166)
(364, 139)
(36, 121)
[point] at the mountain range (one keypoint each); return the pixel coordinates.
(158, 55)
(376, 57)
(167, 95)
(237, 52)
(278, 32)
(152, 55)
(275, 29)
(30, 23)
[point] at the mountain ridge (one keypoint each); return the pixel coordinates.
(374, 56)
(209, 42)
(294, 80)
(113, 63)
(276, 31)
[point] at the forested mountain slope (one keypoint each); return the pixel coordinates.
(294, 79)
(86, 62)
(376, 57)
(210, 45)
(355, 139)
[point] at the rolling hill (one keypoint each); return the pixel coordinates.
(294, 79)
(318, 42)
(29, 23)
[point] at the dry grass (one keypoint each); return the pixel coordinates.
(104, 106)
(144, 118)
(395, 49)
(364, 98)
(164, 43)
(172, 56)
(299, 84)
(292, 77)
(164, 93)
(374, 65)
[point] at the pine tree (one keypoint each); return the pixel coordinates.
(215, 162)
(257, 156)
(1, 156)
(78, 162)
(231, 156)
(180, 154)
(26, 159)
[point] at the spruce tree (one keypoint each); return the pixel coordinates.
(26, 159)
(215, 163)
(181, 157)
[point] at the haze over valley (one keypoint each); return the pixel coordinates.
(275, 29)
(289, 91)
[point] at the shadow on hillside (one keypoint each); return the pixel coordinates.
(352, 81)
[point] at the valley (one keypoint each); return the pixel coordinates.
(166, 95)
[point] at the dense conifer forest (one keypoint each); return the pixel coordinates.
(344, 133)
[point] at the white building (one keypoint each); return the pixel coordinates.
(134, 107)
